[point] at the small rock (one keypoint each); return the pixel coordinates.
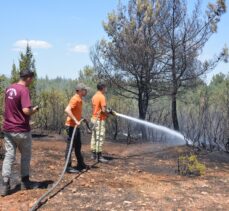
(109, 203)
(219, 207)
(52, 167)
(127, 202)
(204, 193)
(74, 190)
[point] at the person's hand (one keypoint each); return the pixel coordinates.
(36, 108)
(109, 110)
(77, 122)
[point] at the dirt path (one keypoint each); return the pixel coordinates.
(139, 177)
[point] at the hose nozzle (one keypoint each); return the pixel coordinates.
(111, 111)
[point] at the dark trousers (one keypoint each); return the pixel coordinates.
(76, 146)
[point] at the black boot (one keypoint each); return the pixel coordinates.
(82, 166)
(28, 184)
(101, 159)
(5, 188)
(72, 170)
(93, 155)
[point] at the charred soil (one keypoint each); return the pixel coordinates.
(137, 177)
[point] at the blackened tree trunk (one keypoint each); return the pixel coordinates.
(143, 103)
(116, 129)
(174, 113)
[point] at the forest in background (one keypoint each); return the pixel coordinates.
(202, 112)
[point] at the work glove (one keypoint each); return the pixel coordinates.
(110, 111)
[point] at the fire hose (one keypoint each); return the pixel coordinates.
(38, 202)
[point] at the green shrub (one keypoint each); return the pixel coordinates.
(189, 165)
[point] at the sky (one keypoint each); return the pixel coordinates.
(62, 32)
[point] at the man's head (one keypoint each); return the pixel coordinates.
(101, 86)
(27, 76)
(81, 89)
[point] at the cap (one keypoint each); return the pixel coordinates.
(81, 86)
(27, 73)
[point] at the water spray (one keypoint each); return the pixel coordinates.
(155, 126)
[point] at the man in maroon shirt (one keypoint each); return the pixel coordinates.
(16, 128)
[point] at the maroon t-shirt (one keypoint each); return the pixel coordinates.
(16, 98)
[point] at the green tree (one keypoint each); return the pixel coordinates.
(14, 74)
(128, 59)
(87, 74)
(27, 61)
(218, 79)
(184, 39)
(153, 49)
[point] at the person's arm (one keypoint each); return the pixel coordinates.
(68, 110)
(26, 103)
(104, 106)
(104, 109)
(30, 111)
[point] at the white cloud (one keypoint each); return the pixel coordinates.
(21, 44)
(79, 48)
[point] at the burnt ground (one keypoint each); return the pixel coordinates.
(139, 177)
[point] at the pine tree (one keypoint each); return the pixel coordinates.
(14, 74)
(27, 61)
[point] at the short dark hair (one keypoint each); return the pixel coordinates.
(101, 86)
(26, 73)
